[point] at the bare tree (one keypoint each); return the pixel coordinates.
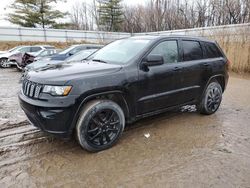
(82, 16)
(158, 15)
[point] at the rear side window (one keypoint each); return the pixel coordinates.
(192, 50)
(169, 51)
(212, 50)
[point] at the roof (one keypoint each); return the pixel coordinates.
(158, 37)
(88, 45)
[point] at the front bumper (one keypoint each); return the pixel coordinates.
(55, 120)
(11, 62)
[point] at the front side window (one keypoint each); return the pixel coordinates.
(192, 50)
(168, 50)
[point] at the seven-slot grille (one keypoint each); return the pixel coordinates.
(31, 89)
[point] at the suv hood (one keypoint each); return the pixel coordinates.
(40, 65)
(62, 73)
(8, 54)
(3, 52)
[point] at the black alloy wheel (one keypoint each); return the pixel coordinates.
(100, 125)
(103, 127)
(212, 98)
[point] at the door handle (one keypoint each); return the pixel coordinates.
(206, 64)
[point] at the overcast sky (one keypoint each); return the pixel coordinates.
(60, 6)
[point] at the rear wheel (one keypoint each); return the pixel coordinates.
(100, 125)
(211, 99)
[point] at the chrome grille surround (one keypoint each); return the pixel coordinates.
(31, 89)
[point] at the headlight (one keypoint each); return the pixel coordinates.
(57, 90)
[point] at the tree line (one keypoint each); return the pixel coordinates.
(160, 15)
(114, 15)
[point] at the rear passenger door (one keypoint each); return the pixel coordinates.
(192, 66)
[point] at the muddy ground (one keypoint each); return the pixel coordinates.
(184, 149)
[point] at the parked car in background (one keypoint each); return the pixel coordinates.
(3, 52)
(80, 56)
(72, 50)
(125, 81)
(17, 53)
(5, 56)
(29, 58)
(10, 50)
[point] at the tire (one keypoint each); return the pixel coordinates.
(211, 99)
(3, 63)
(100, 125)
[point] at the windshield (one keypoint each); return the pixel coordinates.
(81, 55)
(65, 51)
(14, 49)
(121, 51)
(38, 53)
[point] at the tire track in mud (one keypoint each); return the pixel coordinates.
(15, 133)
(8, 125)
(20, 139)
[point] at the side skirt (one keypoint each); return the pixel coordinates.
(138, 117)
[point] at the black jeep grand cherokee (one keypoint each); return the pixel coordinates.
(126, 80)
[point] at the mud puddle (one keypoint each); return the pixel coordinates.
(181, 149)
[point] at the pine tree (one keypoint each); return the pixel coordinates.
(34, 13)
(110, 14)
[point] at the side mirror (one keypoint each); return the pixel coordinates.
(153, 60)
(70, 54)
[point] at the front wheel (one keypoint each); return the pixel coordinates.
(3, 63)
(100, 125)
(211, 99)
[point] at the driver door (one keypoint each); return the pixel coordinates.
(158, 84)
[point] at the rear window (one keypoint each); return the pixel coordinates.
(192, 50)
(212, 50)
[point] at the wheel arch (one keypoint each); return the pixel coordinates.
(116, 96)
(220, 78)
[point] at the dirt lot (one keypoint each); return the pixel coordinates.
(184, 149)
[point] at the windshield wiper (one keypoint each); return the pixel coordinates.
(99, 60)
